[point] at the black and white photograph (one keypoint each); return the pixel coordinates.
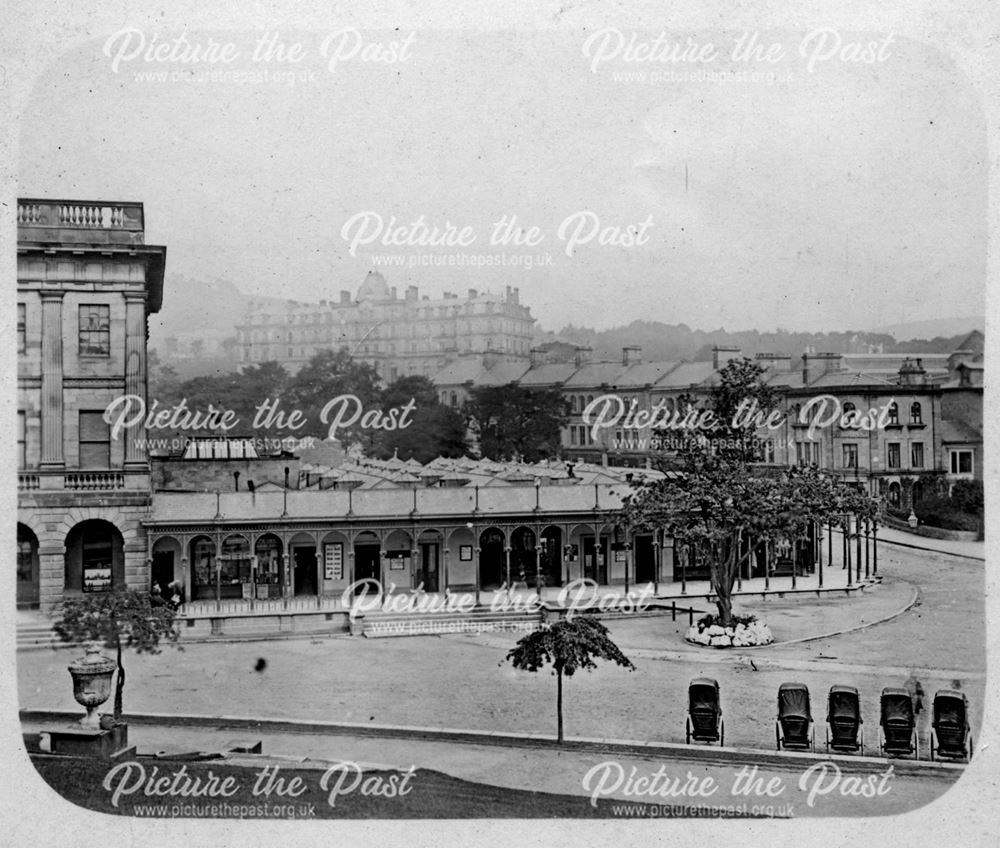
(522, 425)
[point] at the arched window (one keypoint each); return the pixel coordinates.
(893, 413)
(916, 413)
(894, 494)
(454, 399)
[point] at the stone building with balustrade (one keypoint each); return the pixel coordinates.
(86, 284)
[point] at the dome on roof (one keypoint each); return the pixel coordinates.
(374, 287)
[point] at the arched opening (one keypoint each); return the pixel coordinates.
(234, 567)
(894, 494)
(552, 556)
(644, 568)
(523, 557)
(429, 544)
(202, 558)
(27, 568)
(367, 558)
(269, 579)
(164, 565)
(302, 551)
(399, 561)
(95, 558)
(491, 558)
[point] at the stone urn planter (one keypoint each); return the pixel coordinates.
(92, 675)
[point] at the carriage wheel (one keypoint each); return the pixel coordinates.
(722, 733)
(687, 731)
(777, 734)
(933, 740)
(862, 743)
(916, 745)
(828, 740)
(969, 738)
(812, 739)
(881, 743)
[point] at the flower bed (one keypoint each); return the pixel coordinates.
(744, 632)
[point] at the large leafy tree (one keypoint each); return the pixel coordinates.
(721, 506)
(328, 375)
(516, 422)
(568, 645)
(119, 619)
(434, 430)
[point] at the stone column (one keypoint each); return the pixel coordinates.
(52, 380)
(135, 375)
(51, 576)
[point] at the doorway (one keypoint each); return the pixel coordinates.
(367, 566)
(304, 559)
(163, 569)
(428, 573)
(595, 559)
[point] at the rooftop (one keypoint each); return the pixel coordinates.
(90, 222)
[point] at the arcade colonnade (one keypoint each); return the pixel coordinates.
(284, 559)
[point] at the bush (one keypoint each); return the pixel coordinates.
(967, 496)
(712, 619)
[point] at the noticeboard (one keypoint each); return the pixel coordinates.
(333, 560)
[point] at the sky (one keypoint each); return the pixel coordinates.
(845, 195)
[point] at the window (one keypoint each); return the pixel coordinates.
(454, 399)
(95, 330)
(916, 413)
(917, 455)
(22, 329)
(95, 441)
(572, 435)
(850, 456)
(961, 462)
(22, 453)
(893, 413)
(806, 453)
(893, 454)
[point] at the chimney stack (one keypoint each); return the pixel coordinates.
(815, 365)
(631, 355)
(345, 296)
(582, 355)
(721, 356)
(473, 294)
(775, 362)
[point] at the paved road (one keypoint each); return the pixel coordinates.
(592, 775)
(463, 682)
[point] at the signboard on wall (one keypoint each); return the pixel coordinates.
(97, 578)
(398, 560)
(333, 560)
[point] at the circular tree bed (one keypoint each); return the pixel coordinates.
(744, 632)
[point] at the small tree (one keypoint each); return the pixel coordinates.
(122, 618)
(567, 645)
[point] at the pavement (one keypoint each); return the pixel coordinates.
(886, 637)
(590, 774)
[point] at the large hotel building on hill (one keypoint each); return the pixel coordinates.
(399, 336)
